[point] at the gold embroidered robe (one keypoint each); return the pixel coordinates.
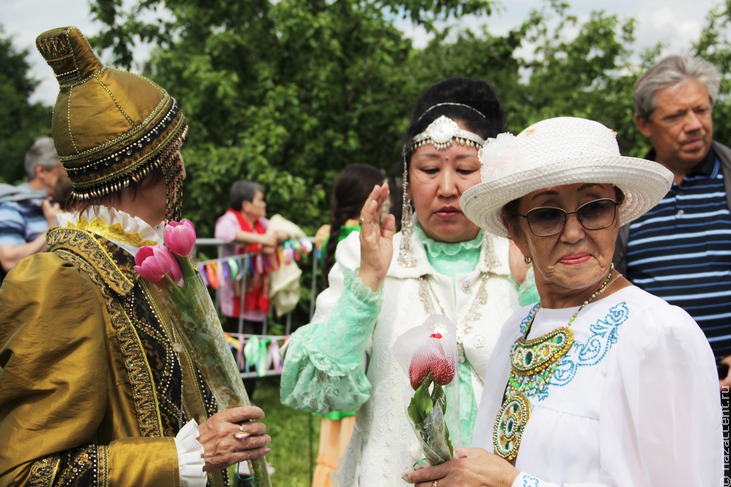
(91, 390)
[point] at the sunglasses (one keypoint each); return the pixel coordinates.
(546, 221)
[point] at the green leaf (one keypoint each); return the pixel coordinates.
(421, 403)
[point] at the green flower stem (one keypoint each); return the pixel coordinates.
(198, 322)
(427, 411)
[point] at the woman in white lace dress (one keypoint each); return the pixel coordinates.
(444, 265)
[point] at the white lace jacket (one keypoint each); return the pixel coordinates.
(313, 378)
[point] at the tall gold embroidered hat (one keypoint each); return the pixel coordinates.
(110, 127)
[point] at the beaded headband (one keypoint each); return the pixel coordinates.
(453, 104)
(440, 133)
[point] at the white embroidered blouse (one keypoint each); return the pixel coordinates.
(634, 402)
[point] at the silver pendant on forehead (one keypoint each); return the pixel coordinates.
(441, 132)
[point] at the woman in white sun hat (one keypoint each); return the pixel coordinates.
(601, 383)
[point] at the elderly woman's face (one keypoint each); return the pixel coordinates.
(437, 179)
(575, 259)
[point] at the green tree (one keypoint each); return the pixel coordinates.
(286, 93)
(20, 120)
(714, 45)
(539, 71)
(590, 75)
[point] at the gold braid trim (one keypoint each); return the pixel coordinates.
(84, 244)
(135, 361)
(82, 250)
(103, 466)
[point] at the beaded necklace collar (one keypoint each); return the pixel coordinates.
(532, 365)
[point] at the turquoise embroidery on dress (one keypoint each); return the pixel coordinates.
(530, 481)
(603, 335)
(527, 320)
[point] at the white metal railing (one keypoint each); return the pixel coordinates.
(256, 355)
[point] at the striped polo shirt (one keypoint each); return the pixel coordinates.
(681, 251)
(21, 221)
(21, 218)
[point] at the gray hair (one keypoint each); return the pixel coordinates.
(243, 191)
(672, 71)
(41, 153)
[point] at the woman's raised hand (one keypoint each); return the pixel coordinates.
(376, 238)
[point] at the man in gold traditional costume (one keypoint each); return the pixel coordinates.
(95, 388)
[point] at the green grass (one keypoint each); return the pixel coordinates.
(295, 436)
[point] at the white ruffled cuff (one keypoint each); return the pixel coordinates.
(190, 456)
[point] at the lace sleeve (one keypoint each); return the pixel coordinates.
(324, 364)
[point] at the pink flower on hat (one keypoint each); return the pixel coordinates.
(501, 156)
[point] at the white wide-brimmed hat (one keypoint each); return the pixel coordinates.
(555, 152)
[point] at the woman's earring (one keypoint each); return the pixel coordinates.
(527, 259)
(406, 255)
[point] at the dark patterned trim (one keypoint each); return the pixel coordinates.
(43, 471)
(80, 467)
(88, 465)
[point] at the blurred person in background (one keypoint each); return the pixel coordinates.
(28, 210)
(245, 227)
(679, 250)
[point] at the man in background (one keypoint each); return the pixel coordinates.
(681, 249)
(27, 211)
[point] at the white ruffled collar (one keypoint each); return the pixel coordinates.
(122, 228)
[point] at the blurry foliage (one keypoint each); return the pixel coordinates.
(714, 45)
(287, 93)
(20, 120)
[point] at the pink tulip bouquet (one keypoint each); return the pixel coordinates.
(171, 267)
(428, 353)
